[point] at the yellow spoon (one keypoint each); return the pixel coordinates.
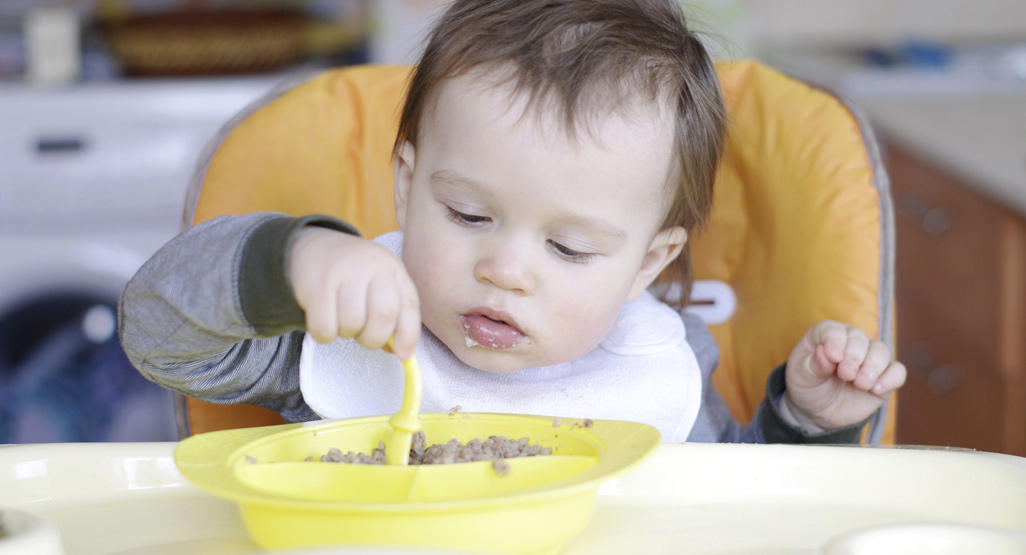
(407, 421)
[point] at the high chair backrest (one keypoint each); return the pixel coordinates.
(800, 229)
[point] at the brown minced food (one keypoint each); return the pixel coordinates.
(496, 449)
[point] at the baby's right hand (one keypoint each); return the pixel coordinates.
(352, 287)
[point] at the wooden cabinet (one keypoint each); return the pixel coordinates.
(961, 308)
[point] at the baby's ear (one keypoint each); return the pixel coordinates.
(402, 170)
(665, 247)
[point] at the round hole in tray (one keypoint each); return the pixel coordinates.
(22, 532)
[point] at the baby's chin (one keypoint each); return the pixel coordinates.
(505, 361)
(489, 360)
(498, 361)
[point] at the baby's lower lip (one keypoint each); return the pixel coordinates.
(489, 333)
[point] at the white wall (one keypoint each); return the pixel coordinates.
(856, 21)
(399, 27)
(738, 28)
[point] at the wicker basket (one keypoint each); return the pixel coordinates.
(206, 42)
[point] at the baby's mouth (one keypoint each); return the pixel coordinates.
(491, 332)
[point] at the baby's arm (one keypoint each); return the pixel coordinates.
(768, 425)
(211, 314)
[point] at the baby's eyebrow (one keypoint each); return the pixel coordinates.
(449, 177)
(594, 226)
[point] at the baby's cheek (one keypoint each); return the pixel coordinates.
(424, 265)
(585, 324)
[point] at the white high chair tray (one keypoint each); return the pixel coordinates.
(129, 498)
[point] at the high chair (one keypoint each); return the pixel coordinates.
(801, 227)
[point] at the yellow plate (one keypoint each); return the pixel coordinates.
(542, 503)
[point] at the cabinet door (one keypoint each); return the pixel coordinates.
(952, 396)
(959, 319)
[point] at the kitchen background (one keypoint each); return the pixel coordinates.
(105, 106)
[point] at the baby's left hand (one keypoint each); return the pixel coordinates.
(837, 376)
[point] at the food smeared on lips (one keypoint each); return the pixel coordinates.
(491, 330)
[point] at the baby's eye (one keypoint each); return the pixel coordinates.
(566, 253)
(464, 218)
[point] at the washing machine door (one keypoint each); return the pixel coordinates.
(63, 373)
(93, 183)
(64, 376)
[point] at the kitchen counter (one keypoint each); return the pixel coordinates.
(969, 120)
(979, 139)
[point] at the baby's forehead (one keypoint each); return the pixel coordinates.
(586, 116)
(497, 132)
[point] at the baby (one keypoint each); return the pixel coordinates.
(552, 160)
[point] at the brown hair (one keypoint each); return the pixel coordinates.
(574, 51)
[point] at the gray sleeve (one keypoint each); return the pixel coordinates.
(211, 314)
(716, 424)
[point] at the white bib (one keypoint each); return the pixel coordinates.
(642, 371)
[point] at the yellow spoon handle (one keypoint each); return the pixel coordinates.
(407, 420)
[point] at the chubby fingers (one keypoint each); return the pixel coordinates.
(847, 352)
(321, 313)
(350, 287)
(825, 342)
(857, 349)
(393, 312)
(407, 328)
(868, 365)
(879, 374)
(382, 312)
(892, 378)
(874, 361)
(318, 325)
(385, 307)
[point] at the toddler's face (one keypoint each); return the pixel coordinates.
(523, 242)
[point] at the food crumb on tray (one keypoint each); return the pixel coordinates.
(501, 467)
(586, 423)
(496, 449)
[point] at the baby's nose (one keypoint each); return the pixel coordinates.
(506, 268)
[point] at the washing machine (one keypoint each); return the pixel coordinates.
(92, 182)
